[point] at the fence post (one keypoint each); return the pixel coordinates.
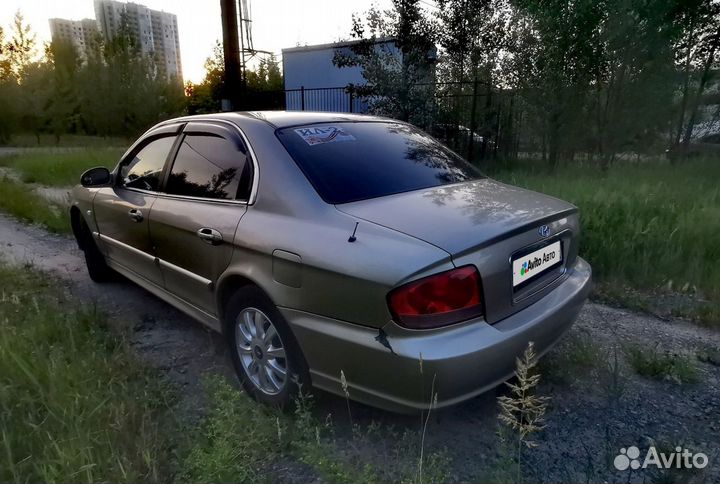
(350, 93)
(473, 110)
(302, 98)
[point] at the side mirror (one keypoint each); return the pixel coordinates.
(96, 177)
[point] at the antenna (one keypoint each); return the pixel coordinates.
(238, 50)
(247, 49)
(352, 237)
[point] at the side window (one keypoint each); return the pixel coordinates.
(144, 170)
(209, 166)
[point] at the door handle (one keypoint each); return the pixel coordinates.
(211, 236)
(135, 215)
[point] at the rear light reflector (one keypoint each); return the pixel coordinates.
(438, 300)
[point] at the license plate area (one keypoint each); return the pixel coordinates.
(536, 265)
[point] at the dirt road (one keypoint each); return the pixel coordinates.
(595, 410)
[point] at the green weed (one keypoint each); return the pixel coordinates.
(20, 201)
(60, 168)
(662, 365)
(646, 225)
(75, 405)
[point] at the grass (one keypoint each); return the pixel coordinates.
(647, 226)
(20, 201)
(76, 405)
(577, 354)
(239, 440)
(67, 140)
(662, 365)
(709, 355)
(60, 168)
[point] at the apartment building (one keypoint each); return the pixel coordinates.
(80, 33)
(156, 32)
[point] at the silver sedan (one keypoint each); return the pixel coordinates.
(337, 250)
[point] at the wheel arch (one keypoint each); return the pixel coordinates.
(227, 285)
(76, 221)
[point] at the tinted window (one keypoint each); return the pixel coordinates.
(346, 162)
(211, 167)
(144, 170)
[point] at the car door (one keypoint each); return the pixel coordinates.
(122, 212)
(193, 222)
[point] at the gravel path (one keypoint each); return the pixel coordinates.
(595, 410)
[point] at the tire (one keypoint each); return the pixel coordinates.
(97, 268)
(262, 347)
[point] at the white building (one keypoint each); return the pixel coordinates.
(80, 33)
(155, 32)
(314, 83)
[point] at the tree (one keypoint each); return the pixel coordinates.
(701, 51)
(206, 96)
(473, 37)
(5, 66)
(63, 107)
(396, 51)
(267, 76)
(22, 48)
(7, 92)
(556, 57)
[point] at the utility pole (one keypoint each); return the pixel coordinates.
(231, 55)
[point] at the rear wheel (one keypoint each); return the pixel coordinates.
(265, 354)
(97, 268)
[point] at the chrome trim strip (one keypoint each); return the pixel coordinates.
(129, 248)
(201, 199)
(186, 273)
(191, 310)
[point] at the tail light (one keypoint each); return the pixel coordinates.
(438, 300)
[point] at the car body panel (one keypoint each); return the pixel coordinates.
(482, 223)
(462, 216)
(190, 265)
(125, 240)
(458, 362)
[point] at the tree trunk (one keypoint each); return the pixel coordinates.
(701, 89)
(686, 84)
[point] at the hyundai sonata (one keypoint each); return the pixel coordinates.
(323, 244)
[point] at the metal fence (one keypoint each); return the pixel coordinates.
(476, 120)
(330, 99)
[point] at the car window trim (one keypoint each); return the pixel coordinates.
(176, 128)
(168, 169)
(213, 128)
(141, 144)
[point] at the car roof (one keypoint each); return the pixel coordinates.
(284, 119)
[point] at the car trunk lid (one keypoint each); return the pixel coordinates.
(485, 223)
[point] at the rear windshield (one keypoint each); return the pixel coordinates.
(347, 162)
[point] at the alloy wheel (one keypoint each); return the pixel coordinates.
(261, 351)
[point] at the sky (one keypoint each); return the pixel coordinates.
(276, 24)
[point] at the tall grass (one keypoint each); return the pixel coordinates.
(649, 224)
(67, 140)
(75, 405)
(61, 168)
(240, 440)
(20, 201)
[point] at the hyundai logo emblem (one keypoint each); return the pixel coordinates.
(544, 231)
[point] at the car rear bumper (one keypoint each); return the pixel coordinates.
(399, 369)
